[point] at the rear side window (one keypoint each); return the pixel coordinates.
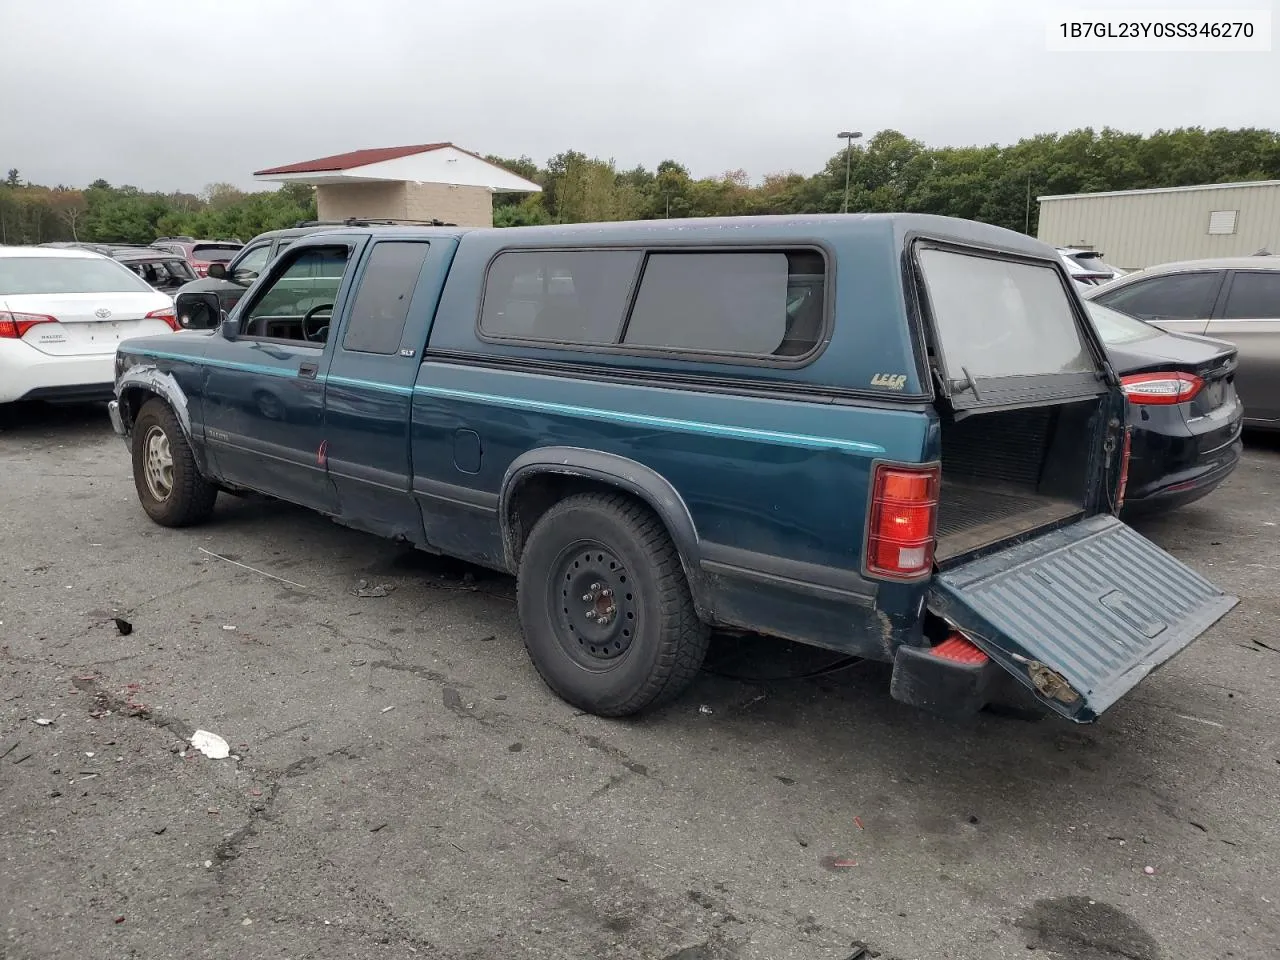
(1254, 296)
(1178, 296)
(569, 296)
(1001, 318)
(757, 304)
(382, 302)
(754, 304)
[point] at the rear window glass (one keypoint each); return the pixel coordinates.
(1115, 327)
(756, 304)
(162, 273)
(382, 303)
(1175, 296)
(569, 296)
(219, 253)
(1254, 296)
(1001, 318)
(34, 275)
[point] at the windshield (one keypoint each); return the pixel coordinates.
(35, 275)
(1115, 327)
(1002, 318)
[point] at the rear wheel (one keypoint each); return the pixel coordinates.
(168, 482)
(606, 611)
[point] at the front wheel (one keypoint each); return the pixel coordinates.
(605, 608)
(169, 485)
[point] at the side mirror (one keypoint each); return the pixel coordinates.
(217, 270)
(198, 311)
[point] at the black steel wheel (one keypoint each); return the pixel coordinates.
(606, 611)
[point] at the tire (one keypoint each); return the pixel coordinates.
(189, 497)
(590, 553)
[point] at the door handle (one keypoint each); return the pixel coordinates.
(308, 369)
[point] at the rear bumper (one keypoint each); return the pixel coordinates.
(1188, 486)
(1175, 462)
(28, 374)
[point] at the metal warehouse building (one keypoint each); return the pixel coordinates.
(1139, 228)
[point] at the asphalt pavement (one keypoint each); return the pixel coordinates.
(401, 784)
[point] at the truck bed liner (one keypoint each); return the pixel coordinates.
(971, 516)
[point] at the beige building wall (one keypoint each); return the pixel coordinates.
(465, 206)
(397, 200)
(1143, 228)
(343, 201)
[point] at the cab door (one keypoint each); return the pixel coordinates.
(1250, 318)
(369, 390)
(266, 371)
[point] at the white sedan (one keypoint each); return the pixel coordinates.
(62, 313)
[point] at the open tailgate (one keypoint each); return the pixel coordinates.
(1081, 614)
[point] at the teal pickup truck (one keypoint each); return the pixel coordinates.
(893, 436)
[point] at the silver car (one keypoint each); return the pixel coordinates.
(1235, 299)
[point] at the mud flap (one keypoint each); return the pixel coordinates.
(1080, 615)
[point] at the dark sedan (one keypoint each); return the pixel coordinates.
(1185, 414)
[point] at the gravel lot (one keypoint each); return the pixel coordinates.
(407, 787)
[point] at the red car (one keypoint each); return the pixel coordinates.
(200, 253)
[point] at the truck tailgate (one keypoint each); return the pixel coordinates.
(1081, 614)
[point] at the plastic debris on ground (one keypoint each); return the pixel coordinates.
(705, 709)
(43, 722)
(1149, 871)
(211, 745)
(363, 589)
(124, 626)
(229, 627)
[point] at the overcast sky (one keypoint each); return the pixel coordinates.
(176, 95)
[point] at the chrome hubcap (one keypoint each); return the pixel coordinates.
(158, 469)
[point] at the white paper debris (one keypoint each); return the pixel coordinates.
(228, 627)
(388, 709)
(705, 709)
(43, 721)
(211, 745)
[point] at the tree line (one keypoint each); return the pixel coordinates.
(889, 172)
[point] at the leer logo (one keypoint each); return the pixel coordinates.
(894, 381)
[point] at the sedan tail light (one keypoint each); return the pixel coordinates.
(1158, 389)
(166, 314)
(904, 515)
(14, 326)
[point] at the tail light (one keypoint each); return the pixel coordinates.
(14, 326)
(903, 521)
(1161, 388)
(201, 267)
(166, 314)
(1125, 446)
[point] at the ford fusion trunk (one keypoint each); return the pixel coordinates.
(1035, 575)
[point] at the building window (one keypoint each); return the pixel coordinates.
(1222, 222)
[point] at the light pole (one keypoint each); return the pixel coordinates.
(850, 136)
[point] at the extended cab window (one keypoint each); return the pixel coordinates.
(382, 303)
(298, 303)
(757, 304)
(1001, 318)
(569, 296)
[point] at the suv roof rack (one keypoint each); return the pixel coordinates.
(369, 222)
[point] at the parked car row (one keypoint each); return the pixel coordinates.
(668, 427)
(1235, 299)
(63, 312)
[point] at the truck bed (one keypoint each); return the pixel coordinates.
(970, 516)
